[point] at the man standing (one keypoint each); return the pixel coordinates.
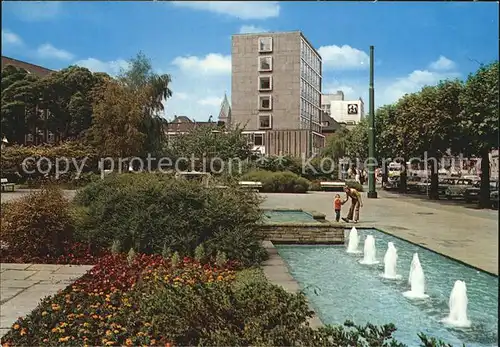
(356, 203)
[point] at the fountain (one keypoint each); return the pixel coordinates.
(370, 252)
(458, 306)
(417, 280)
(390, 262)
(352, 246)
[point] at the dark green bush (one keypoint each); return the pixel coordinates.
(37, 225)
(151, 213)
(278, 182)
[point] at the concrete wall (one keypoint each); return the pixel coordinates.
(304, 233)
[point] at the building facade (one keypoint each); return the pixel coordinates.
(276, 92)
(349, 112)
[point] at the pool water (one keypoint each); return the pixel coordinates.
(347, 290)
(288, 216)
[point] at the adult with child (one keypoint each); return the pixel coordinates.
(356, 203)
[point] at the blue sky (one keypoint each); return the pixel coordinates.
(416, 43)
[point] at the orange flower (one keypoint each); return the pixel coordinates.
(16, 326)
(128, 342)
(64, 339)
(23, 332)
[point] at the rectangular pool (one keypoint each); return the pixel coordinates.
(348, 290)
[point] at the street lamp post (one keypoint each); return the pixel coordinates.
(372, 194)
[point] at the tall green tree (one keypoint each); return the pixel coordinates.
(140, 76)
(434, 114)
(479, 119)
(19, 112)
(336, 144)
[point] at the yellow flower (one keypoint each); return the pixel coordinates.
(64, 339)
(44, 313)
(109, 332)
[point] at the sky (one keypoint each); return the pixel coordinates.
(416, 43)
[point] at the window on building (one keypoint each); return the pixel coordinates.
(265, 102)
(265, 121)
(265, 44)
(266, 63)
(325, 123)
(258, 140)
(265, 83)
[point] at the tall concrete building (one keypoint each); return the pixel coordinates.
(276, 92)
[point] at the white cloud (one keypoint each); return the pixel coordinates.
(211, 101)
(211, 64)
(251, 29)
(48, 51)
(32, 11)
(443, 64)
(201, 82)
(8, 37)
(389, 90)
(238, 9)
(113, 67)
(343, 57)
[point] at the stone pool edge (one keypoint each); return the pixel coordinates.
(276, 272)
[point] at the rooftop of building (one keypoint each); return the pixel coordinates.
(184, 124)
(31, 68)
(283, 32)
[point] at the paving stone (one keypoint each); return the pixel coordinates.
(44, 267)
(18, 283)
(8, 293)
(13, 266)
(49, 276)
(16, 274)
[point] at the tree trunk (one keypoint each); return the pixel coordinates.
(484, 194)
(402, 177)
(433, 192)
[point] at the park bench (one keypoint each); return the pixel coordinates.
(6, 185)
(250, 184)
(332, 186)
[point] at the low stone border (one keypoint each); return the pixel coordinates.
(315, 214)
(276, 272)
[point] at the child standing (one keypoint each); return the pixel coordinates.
(337, 204)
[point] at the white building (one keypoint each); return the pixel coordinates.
(349, 112)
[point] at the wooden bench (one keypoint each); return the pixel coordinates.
(250, 184)
(332, 186)
(6, 186)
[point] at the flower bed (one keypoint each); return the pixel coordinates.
(74, 254)
(101, 308)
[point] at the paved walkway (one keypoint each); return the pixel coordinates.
(24, 285)
(468, 235)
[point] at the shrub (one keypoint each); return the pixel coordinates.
(38, 225)
(278, 182)
(150, 214)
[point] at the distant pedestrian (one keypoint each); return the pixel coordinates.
(356, 203)
(357, 178)
(337, 206)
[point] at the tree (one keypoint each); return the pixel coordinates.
(357, 144)
(479, 119)
(68, 95)
(117, 122)
(405, 137)
(384, 122)
(19, 101)
(140, 76)
(336, 144)
(434, 114)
